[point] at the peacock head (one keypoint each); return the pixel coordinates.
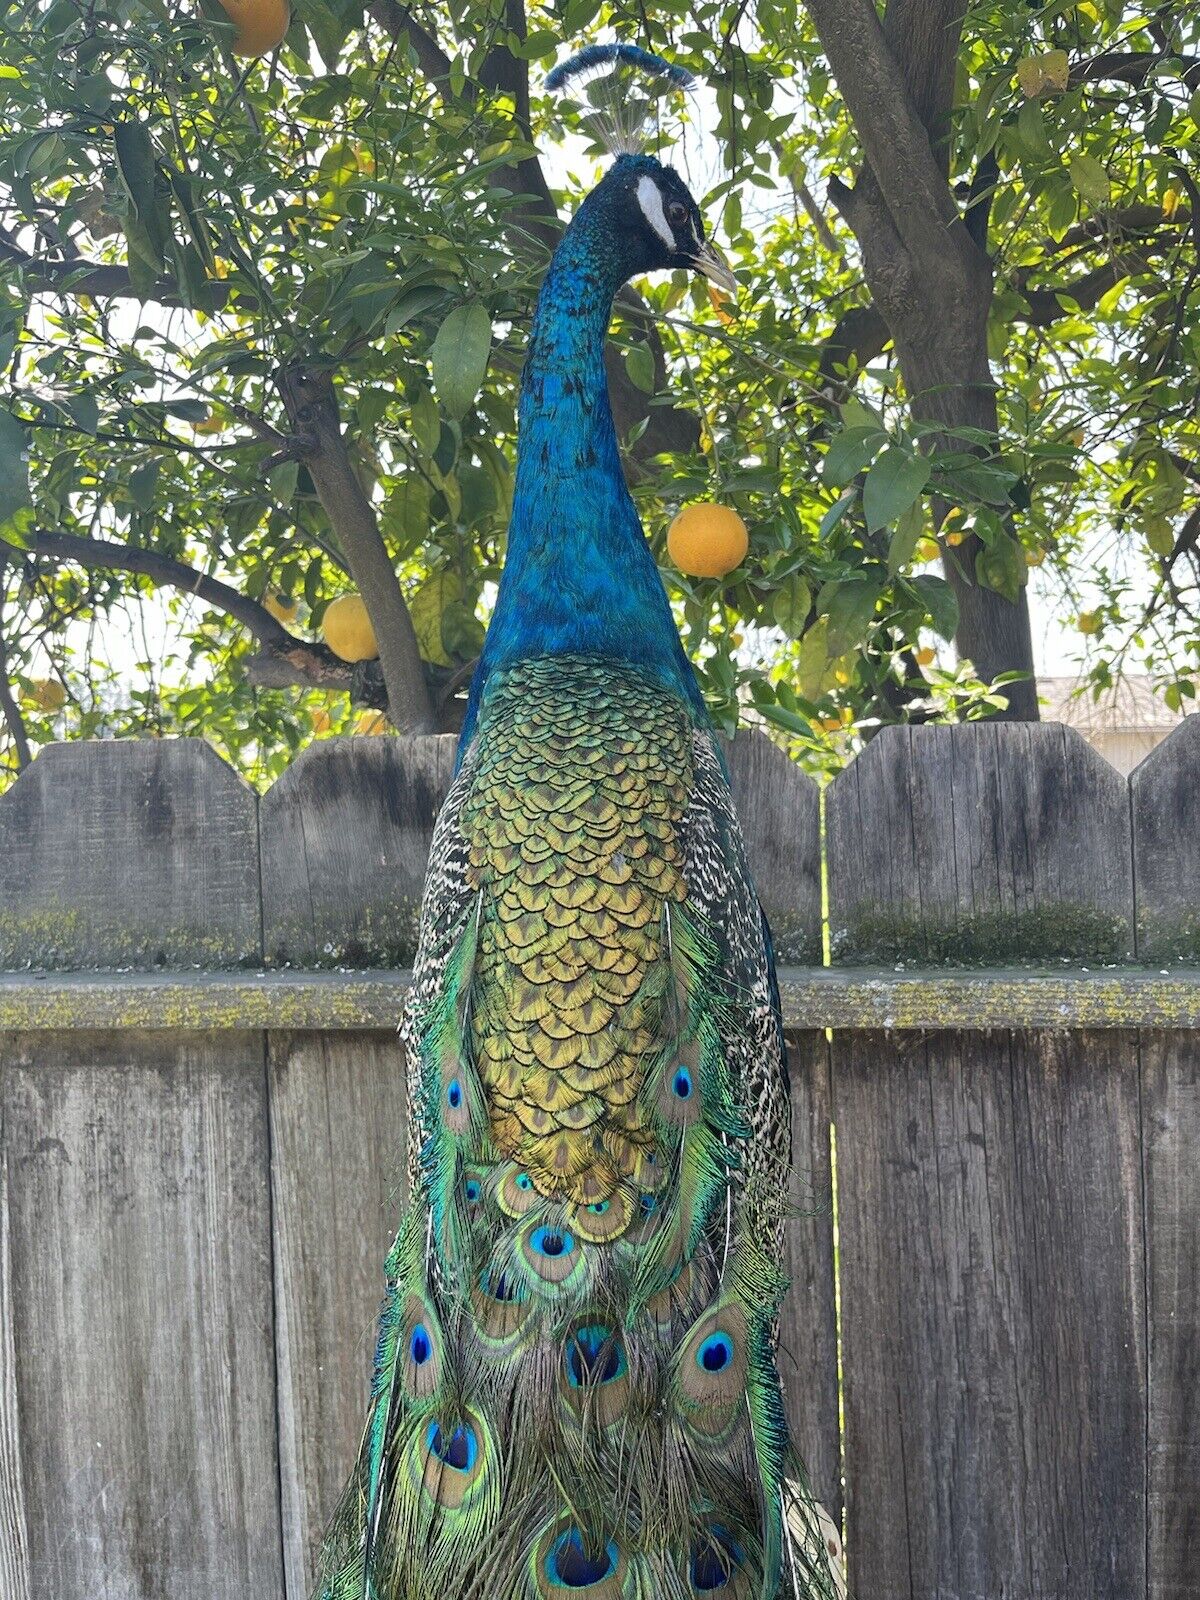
(655, 222)
(650, 220)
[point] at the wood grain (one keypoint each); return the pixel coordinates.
(779, 809)
(1165, 796)
(808, 1321)
(337, 1165)
(128, 853)
(1171, 1107)
(345, 836)
(141, 1316)
(983, 843)
(989, 1201)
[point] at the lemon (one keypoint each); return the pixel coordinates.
(1088, 622)
(260, 24)
(926, 656)
(47, 695)
(707, 541)
(284, 608)
(347, 629)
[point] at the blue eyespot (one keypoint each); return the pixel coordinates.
(715, 1560)
(649, 1204)
(459, 1451)
(551, 1242)
(716, 1352)
(682, 1084)
(419, 1347)
(501, 1288)
(454, 1094)
(599, 1207)
(569, 1564)
(524, 1181)
(594, 1356)
(472, 1189)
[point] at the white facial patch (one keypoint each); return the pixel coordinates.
(651, 203)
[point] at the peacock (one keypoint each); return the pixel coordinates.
(575, 1389)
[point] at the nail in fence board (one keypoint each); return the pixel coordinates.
(779, 809)
(345, 836)
(980, 843)
(990, 1224)
(338, 1160)
(128, 853)
(1165, 793)
(138, 1217)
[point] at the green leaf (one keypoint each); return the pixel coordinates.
(143, 484)
(1002, 566)
(16, 503)
(639, 364)
(849, 452)
(460, 357)
(851, 607)
(791, 605)
(892, 485)
(1090, 179)
(903, 543)
(940, 603)
(411, 304)
(145, 225)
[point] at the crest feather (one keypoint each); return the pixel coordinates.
(615, 89)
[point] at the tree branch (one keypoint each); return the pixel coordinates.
(10, 709)
(286, 659)
(398, 21)
(311, 405)
(1134, 67)
(897, 145)
(98, 280)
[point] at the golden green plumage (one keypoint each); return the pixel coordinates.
(572, 823)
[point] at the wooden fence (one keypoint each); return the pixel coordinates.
(201, 1146)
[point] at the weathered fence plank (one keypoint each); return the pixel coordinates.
(128, 853)
(992, 1315)
(1165, 797)
(808, 1361)
(1165, 794)
(139, 1219)
(345, 835)
(779, 809)
(14, 1546)
(337, 1164)
(980, 843)
(1171, 1110)
(989, 1184)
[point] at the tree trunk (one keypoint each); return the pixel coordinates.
(312, 410)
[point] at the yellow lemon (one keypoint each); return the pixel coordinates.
(284, 608)
(47, 694)
(927, 550)
(1034, 558)
(347, 629)
(707, 541)
(926, 656)
(260, 24)
(1088, 622)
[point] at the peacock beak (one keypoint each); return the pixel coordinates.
(715, 268)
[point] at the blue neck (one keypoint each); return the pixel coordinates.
(579, 577)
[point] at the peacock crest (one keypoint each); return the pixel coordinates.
(616, 92)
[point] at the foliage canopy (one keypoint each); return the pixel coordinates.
(262, 324)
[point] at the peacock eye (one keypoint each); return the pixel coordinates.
(676, 213)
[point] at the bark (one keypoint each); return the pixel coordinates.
(311, 405)
(931, 281)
